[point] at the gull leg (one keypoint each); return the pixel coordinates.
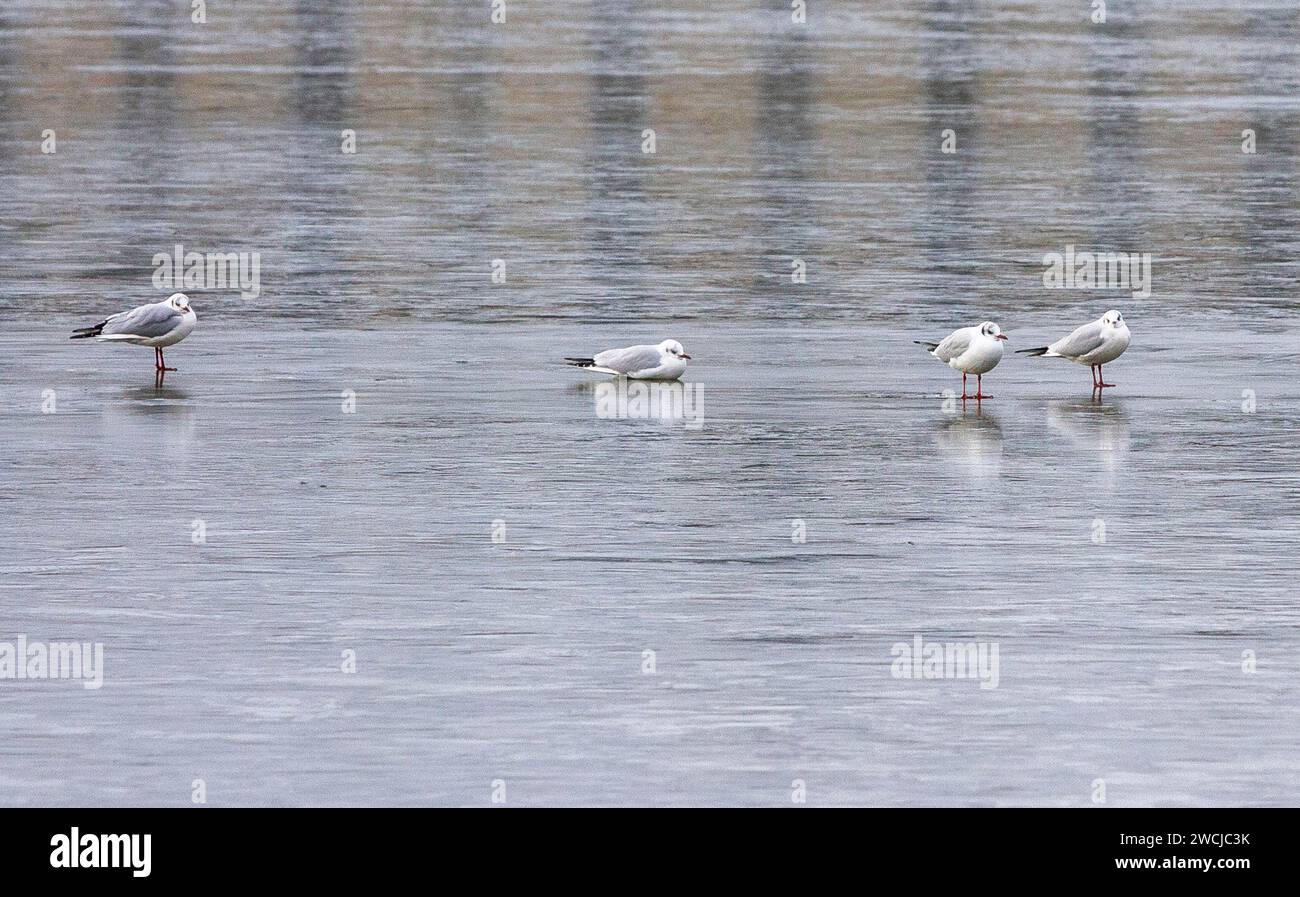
(162, 362)
(979, 387)
(1101, 381)
(963, 387)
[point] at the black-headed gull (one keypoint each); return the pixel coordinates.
(1095, 344)
(157, 324)
(971, 350)
(666, 361)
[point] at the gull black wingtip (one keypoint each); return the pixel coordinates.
(87, 332)
(929, 345)
(581, 362)
(1041, 350)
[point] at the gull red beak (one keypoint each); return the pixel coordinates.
(683, 355)
(1002, 336)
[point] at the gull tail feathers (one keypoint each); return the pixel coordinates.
(88, 332)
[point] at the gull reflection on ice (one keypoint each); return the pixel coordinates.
(972, 440)
(668, 402)
(1096, 426)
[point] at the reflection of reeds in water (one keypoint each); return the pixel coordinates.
(477, 141)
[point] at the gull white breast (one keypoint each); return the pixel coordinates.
(156, 325)
(971, 350)
(1094, 344)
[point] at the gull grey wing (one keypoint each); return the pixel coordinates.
(148, 321)
(630, 360)
(953, 344)
(1080, 342)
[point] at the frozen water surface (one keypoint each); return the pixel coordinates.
(1122, 555)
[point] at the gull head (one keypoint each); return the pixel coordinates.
(1114, 319)
(673, 348)
(992, 331)
(179, 301)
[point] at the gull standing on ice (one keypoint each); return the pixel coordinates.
(1095, 344)
(971, 350)
(666, 361)
(157, 324)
